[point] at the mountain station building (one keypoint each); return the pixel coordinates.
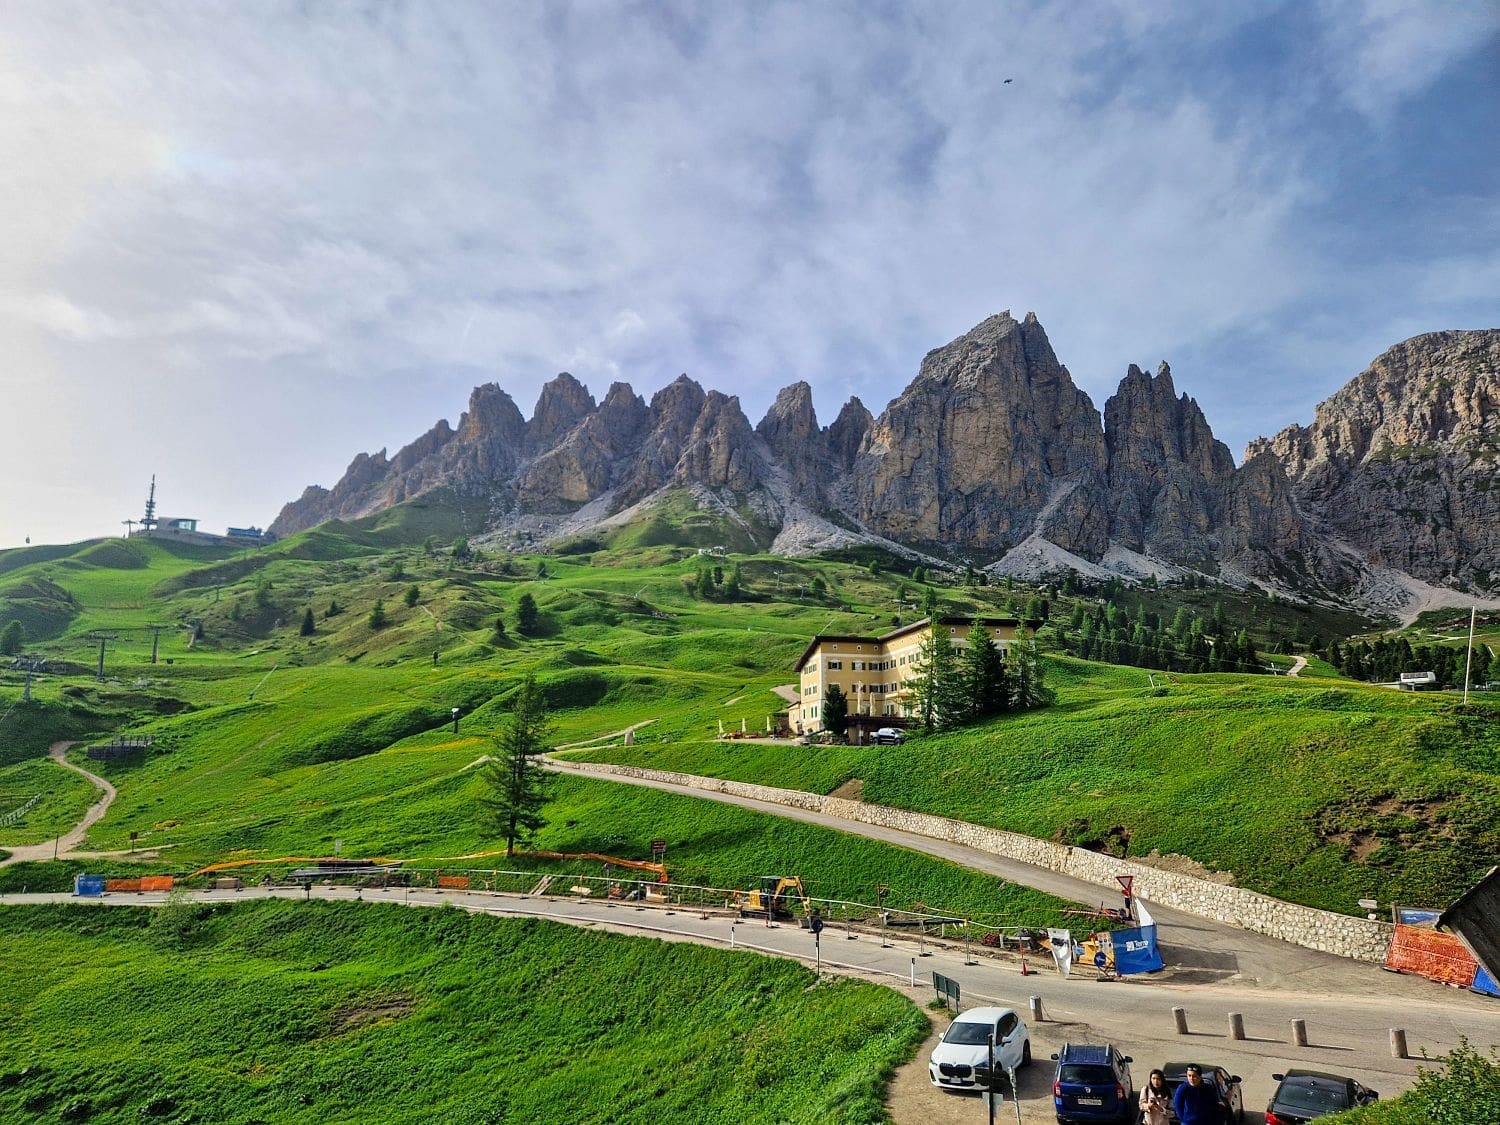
(875, 673)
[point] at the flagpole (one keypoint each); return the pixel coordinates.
(1469, 659)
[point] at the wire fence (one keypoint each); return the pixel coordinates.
(990, 929)
(15, 816)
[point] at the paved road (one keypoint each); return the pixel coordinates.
(1201, 950)
(64, 846)
(1348, 1033)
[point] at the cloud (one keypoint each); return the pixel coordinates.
(326, 222)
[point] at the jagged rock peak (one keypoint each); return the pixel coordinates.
(491, 410)
(563, 403)
(847, 434)
(720, 452)
(790, 426)
(977, 447)
(1401, 462)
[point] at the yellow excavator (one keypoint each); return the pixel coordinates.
(776, 897)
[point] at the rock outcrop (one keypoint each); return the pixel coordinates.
(981, 444)
(1403, 463)
(1165, 468)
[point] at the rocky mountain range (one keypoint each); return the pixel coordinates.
(994, 457)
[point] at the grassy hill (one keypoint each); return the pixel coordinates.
(268, 742)
(318, 1012)
(1316, 793)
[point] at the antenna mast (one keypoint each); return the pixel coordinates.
(148, 522)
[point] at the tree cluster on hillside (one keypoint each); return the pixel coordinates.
(12, 639)
(1385, 660)
(1189, 643)
(712, 585)
(956, 687)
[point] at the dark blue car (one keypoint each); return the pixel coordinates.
(1092, 1083)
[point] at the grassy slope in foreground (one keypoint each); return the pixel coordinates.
(1310, 792)
(317, 1012)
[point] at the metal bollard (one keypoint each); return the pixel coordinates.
(731, 935)
(1236, 1026)
(1036, 1010)
(1179, 1017)
(914, 972)
(1299, 1033)
(1398, 1043)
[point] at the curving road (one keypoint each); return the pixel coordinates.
(1202, 950)
(1346, 1034)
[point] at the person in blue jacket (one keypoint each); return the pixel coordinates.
(1196, 1103)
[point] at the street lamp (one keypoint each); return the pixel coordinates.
(455, 720)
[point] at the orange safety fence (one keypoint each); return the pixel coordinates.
(1437, 956)
(156, 882)
(455, 882)
(122, 884)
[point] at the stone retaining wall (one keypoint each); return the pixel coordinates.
(1341, 934)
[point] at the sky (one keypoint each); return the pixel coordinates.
(242, 242)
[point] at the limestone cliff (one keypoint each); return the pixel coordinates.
(992, 454)
(977, 447)
(1403, 463)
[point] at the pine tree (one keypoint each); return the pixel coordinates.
(732, 585)
(499, 626)
(1027, 686)
(517, 784)
(836, 711)
(309, 626)
(527, 617)
(704, 586)
(937, 689)
(12, 640)
(377, 615)
(411, 596)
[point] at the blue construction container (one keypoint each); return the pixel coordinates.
(90, 885)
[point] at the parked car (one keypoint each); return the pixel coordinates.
(1228, 1085)
(961, 1061)
(1307, 1094)
(1092, 1083)
(888, 735)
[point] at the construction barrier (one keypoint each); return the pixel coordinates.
(454, 882)
(122, 884)
(88, 885)
(1436, 956)
(156, 882)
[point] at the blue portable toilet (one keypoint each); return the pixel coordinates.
(88, 885)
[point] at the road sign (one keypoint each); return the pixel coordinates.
(1126, 882)
(658, 848)
(945, 987)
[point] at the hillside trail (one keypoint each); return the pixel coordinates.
(1297, 665)
(64, 847)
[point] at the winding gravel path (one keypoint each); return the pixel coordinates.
(64, 846)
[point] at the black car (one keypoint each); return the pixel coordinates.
(1228, 1085)
(1306, 1094)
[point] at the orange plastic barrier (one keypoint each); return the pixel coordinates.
(1437, 956)
(122, 884)
(456, 882)
(156, 882)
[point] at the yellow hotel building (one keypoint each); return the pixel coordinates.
(874, 672)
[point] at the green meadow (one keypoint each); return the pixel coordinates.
(269, 742)
(323, 1013)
